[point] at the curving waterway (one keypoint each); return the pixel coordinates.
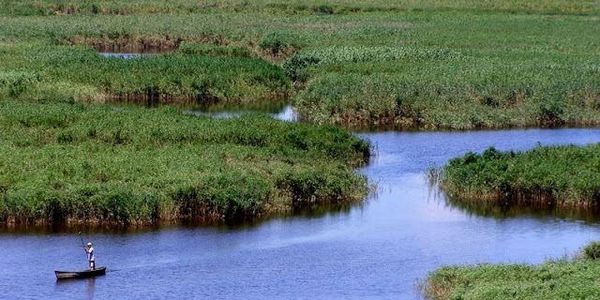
(380, 249)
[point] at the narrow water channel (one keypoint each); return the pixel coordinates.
(283, 112)
(380, 249)
(124, 55)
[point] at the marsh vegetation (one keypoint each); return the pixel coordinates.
(71, 163)
(563, 177)
(71, 153)
(559, 279)
(361, 64)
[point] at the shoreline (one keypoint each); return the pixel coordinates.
(562, 278)
(77, 226)
(561, 178)
(72, 164)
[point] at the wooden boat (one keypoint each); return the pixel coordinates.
(80, 274)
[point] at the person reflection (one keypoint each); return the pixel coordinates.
(90, 288)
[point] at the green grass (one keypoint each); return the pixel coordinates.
(71, 163)
(407, 64)
(64, 73)
(557, 176)
(51, 7)
(562, 279)
(460, 71)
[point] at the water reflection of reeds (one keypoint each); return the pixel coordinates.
(503, 208)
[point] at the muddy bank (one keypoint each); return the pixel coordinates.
(142, 43)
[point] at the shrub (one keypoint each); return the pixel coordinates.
(324, 9)
(278, 42)
(550, 112)
(296, 66)
(592, 251)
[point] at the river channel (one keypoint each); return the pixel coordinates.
(380, 249)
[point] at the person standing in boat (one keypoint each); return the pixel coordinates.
(89, 250)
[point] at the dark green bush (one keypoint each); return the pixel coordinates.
(550, 112)
(278, 42)
(296, 66)
(324, 9)
(592, 251)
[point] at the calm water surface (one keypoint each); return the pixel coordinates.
(124, 55)
(378, 250)
(283, 112)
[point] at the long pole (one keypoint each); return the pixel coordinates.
(82, 244)
(81, 239)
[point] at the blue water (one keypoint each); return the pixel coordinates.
(380, 249)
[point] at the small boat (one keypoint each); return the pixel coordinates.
(80, 274)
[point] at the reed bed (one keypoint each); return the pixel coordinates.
(175, 77)
(545, 177)
(558, 279)
(454, 78)
(415, 101)
(71, 164)
(362, 64)
(66, 7)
